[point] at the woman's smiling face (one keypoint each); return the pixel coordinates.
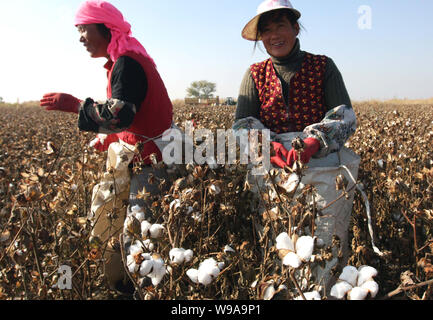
(279, 36)
(93, 40)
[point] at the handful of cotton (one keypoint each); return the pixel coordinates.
(357, 284)
(294, 253)
(180, 255)
(206, 273)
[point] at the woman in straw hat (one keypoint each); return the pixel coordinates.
(137, 112)
(299, 94)
(293, 90)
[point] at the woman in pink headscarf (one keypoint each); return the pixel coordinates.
(138, 108)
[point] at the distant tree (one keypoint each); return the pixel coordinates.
(1, 99)
(201, 89)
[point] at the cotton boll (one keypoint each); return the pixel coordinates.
(269, 292)
(158, 275)
(145, 227)
(135, 249)
(284, 242)
(291, 183)
(208, 264)
(304, 248)
(214, 189)
(149, 245)
(314, 295)
(227, 249)
(177, 256)
(292, 259)
(340, 289)
(156, 231)
(365, 273)
(146, 267)
(193, 275)
(140, 216)
(174, 205)
(214, 271)
(221, 265)
(357, 293)
(204, 277)
(188, 254)
(130, 263)
(158, 271)
(158, 263)
(372, 287)
(146, 256)
(350, 275)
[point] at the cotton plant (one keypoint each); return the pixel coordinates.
(147, 265)
(356, 284)
(135, 223)
(180, 256)
(294, 253)
(207, 272)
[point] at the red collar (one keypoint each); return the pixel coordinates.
(109, 65)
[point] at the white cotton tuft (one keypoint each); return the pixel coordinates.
(174, 205)
(227, 249)
(140, 216)
(146, 267)
(340, 289)
(188, 254)
(357, 293)
(291, 183)
(269, 292)
(204, 277)
(221, 265)
(365, 273)
(304, 248)
(130, 263)
(156, 231)
(314, 295)
(292, 259)
(193, 275)
(284, 242)
(350, 275)
(372, 287)
(177, 255)
(145, 227)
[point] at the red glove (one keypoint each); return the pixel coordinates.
(61, 102)
(102, 141)
(280, 152)
(311, 147)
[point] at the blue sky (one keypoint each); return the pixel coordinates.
(200, 40)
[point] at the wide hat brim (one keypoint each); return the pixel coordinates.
(250, 30)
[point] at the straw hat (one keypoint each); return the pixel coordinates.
(250, 30)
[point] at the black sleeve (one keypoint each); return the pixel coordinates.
(128, 81)
(128, 88)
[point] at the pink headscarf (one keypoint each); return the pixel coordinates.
(98, 11)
